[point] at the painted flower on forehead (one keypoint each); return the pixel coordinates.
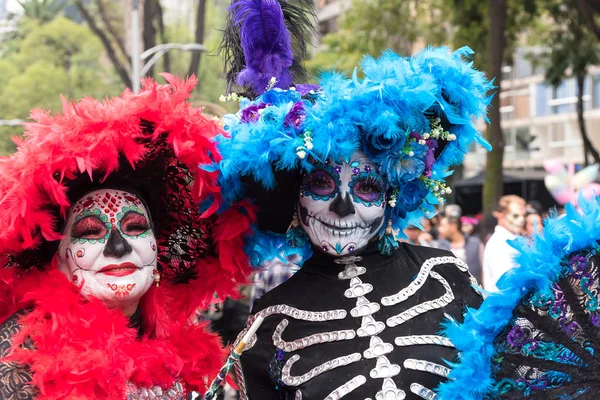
(383, 134)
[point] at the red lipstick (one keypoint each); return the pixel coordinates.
(119, 270)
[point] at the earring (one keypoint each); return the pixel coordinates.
(156, 278)
(295, 235)
(388, 241)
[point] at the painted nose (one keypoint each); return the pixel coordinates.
(342, 207)
(116, 246)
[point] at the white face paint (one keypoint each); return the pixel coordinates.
(109, 249)
(342, 205)
(515, 218)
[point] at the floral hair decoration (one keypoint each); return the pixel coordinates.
(413, 116)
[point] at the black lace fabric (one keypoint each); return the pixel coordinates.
(14, 378)
(551, 348)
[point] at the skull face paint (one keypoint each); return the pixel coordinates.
(109, 249)
(515, 218)
(342, 205)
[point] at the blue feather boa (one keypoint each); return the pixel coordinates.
(263, 247)
(540, 266)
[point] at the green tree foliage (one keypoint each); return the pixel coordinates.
(46, 60)
(573, 49)
(370, 27)
(211, 82)
(42, 10)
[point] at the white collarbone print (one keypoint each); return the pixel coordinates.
(375, 322)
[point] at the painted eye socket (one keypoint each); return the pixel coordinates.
(134, 224)
(89, 228)
(320, 183)
(369, 190)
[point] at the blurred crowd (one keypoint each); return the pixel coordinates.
(481, 240)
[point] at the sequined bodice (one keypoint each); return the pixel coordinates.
(365, 333)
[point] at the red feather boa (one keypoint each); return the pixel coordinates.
(84, 350)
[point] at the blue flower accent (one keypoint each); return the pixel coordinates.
(410, 197)
(383, 135)
(401, 168)
(278, 97)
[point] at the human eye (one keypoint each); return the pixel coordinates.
(369, 189)
(321, 183)
(89, 228)
(134, 224)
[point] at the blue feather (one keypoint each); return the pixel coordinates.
(540, 266)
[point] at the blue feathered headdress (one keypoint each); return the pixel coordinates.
(414, 116)
(542, 263)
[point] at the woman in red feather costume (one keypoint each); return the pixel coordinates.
(109, 248)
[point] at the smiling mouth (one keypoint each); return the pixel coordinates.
(123, 269)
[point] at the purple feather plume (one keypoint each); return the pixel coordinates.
(266, 44)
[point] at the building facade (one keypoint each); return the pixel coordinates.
(539, 120)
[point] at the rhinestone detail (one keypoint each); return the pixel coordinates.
(308, 341)
(357, 289)
(426, 366)
(414, 340)
(426, 305)
(351, 271)
(364, 308)
(239, 373)
(370, 327)
(293, 312)
(290, 380)
(175, 392)
(389, 391)
(377, 348)
(423, 392)
(347, 387)
(418, 282)
(384, 369)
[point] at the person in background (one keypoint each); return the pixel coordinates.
(469, 225)
(421, 237)
(467, 248)
(498, 256)
(533, 224)
(486, 227)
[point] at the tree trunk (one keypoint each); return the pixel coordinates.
(200, 22)
(110, 51)
(109, 27)
(588, 148)
(149, 34)
(163, 36)
(493, 186)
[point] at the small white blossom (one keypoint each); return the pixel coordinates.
(222, 98)
(308, 145)
(411, 153)
(301, 154)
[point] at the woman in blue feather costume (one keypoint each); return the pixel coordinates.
(342, 167)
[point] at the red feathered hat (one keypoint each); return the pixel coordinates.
(153, 142)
